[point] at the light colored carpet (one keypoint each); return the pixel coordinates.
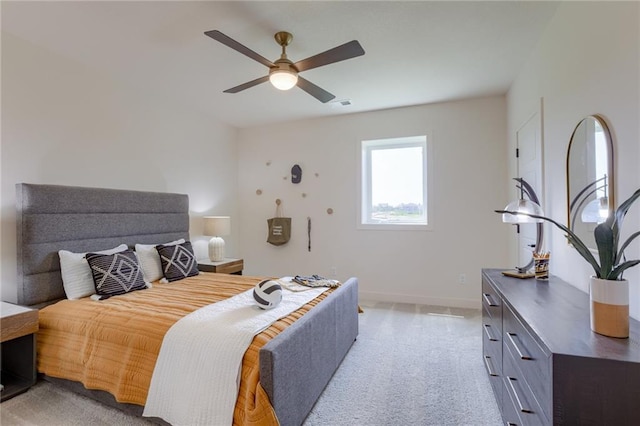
(411, 365)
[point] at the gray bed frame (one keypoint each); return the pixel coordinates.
(295, 366)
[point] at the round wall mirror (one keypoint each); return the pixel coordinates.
(590, 190)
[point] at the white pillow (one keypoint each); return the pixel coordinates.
(76, 273)
(150, 260)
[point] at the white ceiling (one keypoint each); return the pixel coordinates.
(416, 52)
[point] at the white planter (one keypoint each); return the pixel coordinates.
(609, 307)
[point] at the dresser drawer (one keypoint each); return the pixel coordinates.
(492, 348)
(492, 337)
(490, 331)
(518, 396)
(492, 358)
(527, 360)
(510, 414)
(491, 309)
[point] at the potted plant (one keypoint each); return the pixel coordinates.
(608, 291)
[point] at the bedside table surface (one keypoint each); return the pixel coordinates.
(17, 321)
(226, 266)
(219, 262)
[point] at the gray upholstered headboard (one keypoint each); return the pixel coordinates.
(52, 217)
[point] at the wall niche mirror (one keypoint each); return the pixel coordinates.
(590, 189)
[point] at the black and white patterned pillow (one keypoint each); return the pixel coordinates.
(178, 261)
(115, 274)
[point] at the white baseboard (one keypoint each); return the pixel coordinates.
(420, 300)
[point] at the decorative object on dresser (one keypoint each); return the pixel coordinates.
(216, 226)
(225, 266)
(609, 291)
(523, 206)
(544, 363)
(18, 327)
(541, 265)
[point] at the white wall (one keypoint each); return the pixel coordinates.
(65, 124)
(469, 163)
(587, 62)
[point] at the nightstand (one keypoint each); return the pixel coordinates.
(226, 266)
(18, 326)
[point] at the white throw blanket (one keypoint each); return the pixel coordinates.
(196, 377)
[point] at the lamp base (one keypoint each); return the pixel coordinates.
(216, 249)
(517, 274)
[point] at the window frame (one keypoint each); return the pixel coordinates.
(365, 147)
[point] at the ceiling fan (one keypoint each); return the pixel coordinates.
(283, 73)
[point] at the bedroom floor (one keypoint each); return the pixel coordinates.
(412, 364)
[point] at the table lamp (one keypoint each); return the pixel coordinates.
(216, 226)
(510, 215)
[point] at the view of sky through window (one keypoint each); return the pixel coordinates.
(396, 176)
(394, 179)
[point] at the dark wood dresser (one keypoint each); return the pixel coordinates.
(545, 364)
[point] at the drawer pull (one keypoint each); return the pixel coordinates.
(511, 424)
(487, 363)
(487, 331)
(487, 297)
(515, 345)
(515, 394)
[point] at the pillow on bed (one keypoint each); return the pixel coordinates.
(76, 274)
(115, 274)
(150, 260)
(178, 261)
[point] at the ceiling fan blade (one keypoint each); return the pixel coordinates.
(346, 51)
(247, 85)
(228, 41)
(315, 91)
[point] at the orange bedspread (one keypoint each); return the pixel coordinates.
(113, 344)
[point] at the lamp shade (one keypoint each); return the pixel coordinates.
(217, 225)
(522, 206)
(283, 79)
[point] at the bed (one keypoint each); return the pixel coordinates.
(296, 356)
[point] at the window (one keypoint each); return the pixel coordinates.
(394, 183)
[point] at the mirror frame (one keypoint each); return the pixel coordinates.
(610, 167)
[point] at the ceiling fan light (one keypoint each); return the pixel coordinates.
(283, 79)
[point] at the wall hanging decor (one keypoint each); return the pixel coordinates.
(296, 174)
(309, 232)
(279, 227)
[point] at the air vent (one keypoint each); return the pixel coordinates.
(341, 104)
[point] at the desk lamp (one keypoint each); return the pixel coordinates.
(510, 215)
